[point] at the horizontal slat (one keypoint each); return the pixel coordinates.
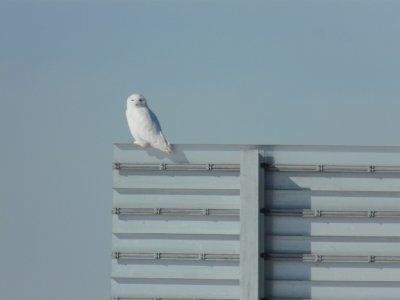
(175, 180)
(171, 270)
(338, 200)
(162, 298)
(224, 154)
(317, 213)
(288, 289)
(141, 198)
(351, 245)
(176, 243)
(333, 182)
(331, 272)
(332, 227)
(317, 258)
(213, 289)
(176, 225)
(176, 167)
(359, 156)
(176, 256)
(323, 168)
(175, 211)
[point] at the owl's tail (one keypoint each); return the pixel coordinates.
(168, 148)
(163, 144)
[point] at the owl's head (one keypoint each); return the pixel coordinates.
(136, 100)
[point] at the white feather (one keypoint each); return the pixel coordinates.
(144, 125)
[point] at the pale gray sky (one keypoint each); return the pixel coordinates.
(266, 72)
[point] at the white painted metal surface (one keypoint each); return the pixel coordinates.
(337, 247)
(331, 228)
(251, 226)
(176, 223)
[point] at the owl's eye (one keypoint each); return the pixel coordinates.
(140, 100)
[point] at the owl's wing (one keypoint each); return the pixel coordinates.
(158, 140)
(155, 121)
(131, 122)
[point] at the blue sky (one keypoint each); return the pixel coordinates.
(242, 72)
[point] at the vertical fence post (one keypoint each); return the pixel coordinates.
(251, 226)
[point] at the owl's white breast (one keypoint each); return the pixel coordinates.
(140, 123)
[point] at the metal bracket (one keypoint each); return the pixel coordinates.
(317, 258)
(317, 213)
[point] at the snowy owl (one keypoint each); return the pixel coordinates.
(144, 125)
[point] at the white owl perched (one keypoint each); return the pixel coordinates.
(144, 125)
